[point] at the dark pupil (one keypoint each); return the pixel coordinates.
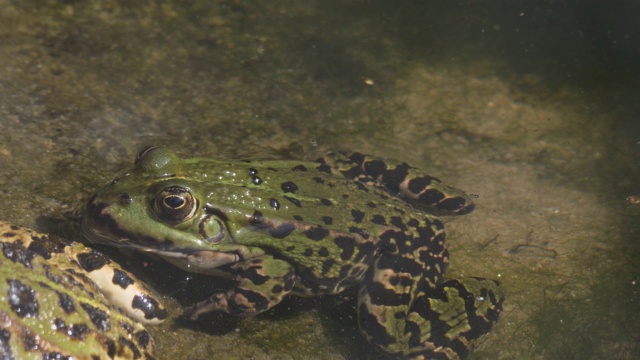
(174, 201)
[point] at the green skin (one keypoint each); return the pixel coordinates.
(303, 228)
(51, 309)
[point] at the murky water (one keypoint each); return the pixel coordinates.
(532, 107)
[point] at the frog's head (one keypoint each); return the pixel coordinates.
(156, 209)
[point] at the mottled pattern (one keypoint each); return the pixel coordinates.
(289, 227)
(50, 308)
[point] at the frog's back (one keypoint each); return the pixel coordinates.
(300, 192)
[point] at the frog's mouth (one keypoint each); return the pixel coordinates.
(98, 227)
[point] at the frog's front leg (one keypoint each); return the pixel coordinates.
(261, 283)
(408, 316)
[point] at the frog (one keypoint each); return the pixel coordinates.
(307, 228)
(60, 299)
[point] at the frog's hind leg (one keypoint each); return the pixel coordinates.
(407, 316)
(455, 313)
(399, 178)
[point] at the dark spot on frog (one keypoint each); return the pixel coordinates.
(394, 177)
(357, 158)
(92, 261)
(257, 220)
(431, 196)
(5, 345)
(111, 348)
(17, 253)
(386, 297)
(44, 246)
(326, 202)
(256, 180)
(347, 245)
(74, 331)
(66, 302)
(327, 220)
(22, 299)
(282, 231)
(456, 204)
(324, 168)
(400, 280)
(289, 187)
(257, 299)
(29, 341)
(128, 328)
(357, 216)
(276, 289)
(149, 307)
(324, 252)
(143, 339)
(299, 168)
(9, 234)
(298, 217)
(418, 184)
(275, 205)
(290, 248)
(345, 196)
(378, 220)
(121, 278)
(317, 233)
(413, 222)
(398, 223)
(308, 252)
(436, 247)
(98, 317)
(318, 179)
(294, 201)
(373, 167)
(327, 265)
(371, 205)
(392, 262)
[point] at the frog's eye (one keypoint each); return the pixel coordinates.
(175, 204)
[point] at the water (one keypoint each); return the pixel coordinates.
(531, 106)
